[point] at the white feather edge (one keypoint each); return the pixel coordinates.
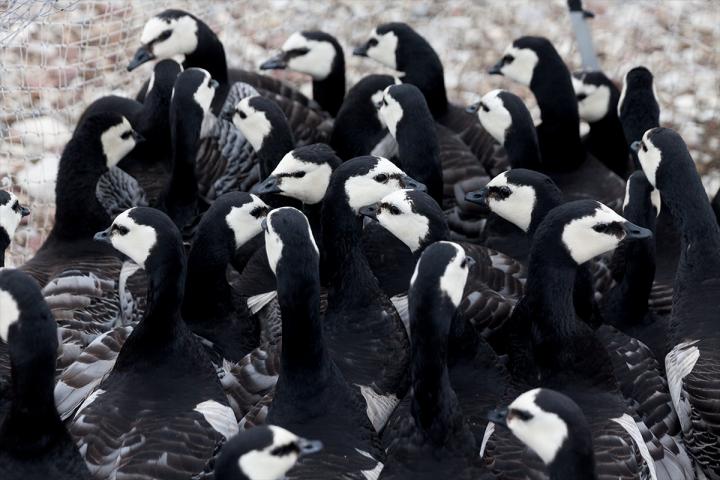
(679, 362)
(258, 302)
(220, 417)
(373, 474)
(627, 422)
(401, 305)
(379, 407)
(489, 430)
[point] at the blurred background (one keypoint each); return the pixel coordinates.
(58, 56)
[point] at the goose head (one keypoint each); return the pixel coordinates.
(170, 34)
(596, 95)
(11, 214)
(265, 452)
(521, 57)
(258, 118)
(289, 241)
(314, 53)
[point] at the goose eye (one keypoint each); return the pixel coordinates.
(508, 58)
(394, 210)
(464, 262)
(643, 146)
(372, 42)
(499, 193)
(484, 107)
(299, 174)
(521, 414)
(381, 178)
(120, 229)
(242, 114)
(16, 206)
(601, 228)
(126, 135)
(260, 210)
(296, 52)
(164, 35)
(581, 96)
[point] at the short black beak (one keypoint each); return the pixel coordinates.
(103, 236)
(213, 83)
(635, 146)
(634, 232)
(370, 211)
(137, 137)
(263, 224)
(269, 185)
(361, 51)
(24, 211)
(278, 62)
(498, 416)
(412, 184)
(497, 68)
(473, 108)
(479, 197)
(142, 55)
(308, 447)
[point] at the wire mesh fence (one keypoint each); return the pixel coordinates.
(58, 56)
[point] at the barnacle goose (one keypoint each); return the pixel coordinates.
(548, 345)
(427, 436)
(597, 98)
(11, 213)
(150, 163)
(398, 46)
(534, 62)
(34, 443)
(179, 34)
(312, 396)
(554, 427)
(692, 363)
(161, 411)
(262, 453)
(319, 55)
(495, 281)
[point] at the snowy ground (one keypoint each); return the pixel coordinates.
(72, 52)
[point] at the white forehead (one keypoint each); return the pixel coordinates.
(526, 401)
(204, 94)
(522, 67)
(391, 113)
(291, 164)
(498, 119)
(362, 190)
(262, 465)
(409, 226)
(9, 218)
(243, 224)
(544, 433)
(9, 313)
(156, 25)
(452, 282)
(255, 126)
(596, 104)
(137, 242)
(282, 436)
(384, 51)
(516, 208)
(584, 243)
(499, 180)
(650, 160)
(273, 242)
(296, 40)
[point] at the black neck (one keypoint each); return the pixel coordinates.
(32, 424)
(154, 122)
(78, 214)
(521, 145)
(606, 137)
(329, 92)
(425, 71)
(559, 132)
(420, 154)
(573, 462)
(181, 195)
(544, 203)
(4, 244)
(209, 54)
(274, 147)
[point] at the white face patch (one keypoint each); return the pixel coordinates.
(452, 282)
(255, 126)
(391, 112)
(9, 313)
(384, 50)
(205, 93)
(650, 159)
(409, 227)
(182, 41)
(497, 119)
(363, 190)
(117, 141)
(9, 218)
(584, 242)
(263, 464)
(243, 224)
(317, 62)
(522, 66)
(517, 208)
(596, 103)
(136, 242)
(309, 188)
(544, 433)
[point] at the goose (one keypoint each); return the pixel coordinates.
(396, 45)
(11, 213)
(554, 427)
(506, 117)
(693, 356)
(523, 198)
(312, 396)
(598, 370)
(181, 35)
(639, 111)
(151, 162)
(319, 55)
(427, 436)
(493, 285)
(358, 129)
(33, 441)
(597, 99)
(266, 452)
(534, 62)
(162, 387)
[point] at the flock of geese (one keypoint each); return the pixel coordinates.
(243, 282)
